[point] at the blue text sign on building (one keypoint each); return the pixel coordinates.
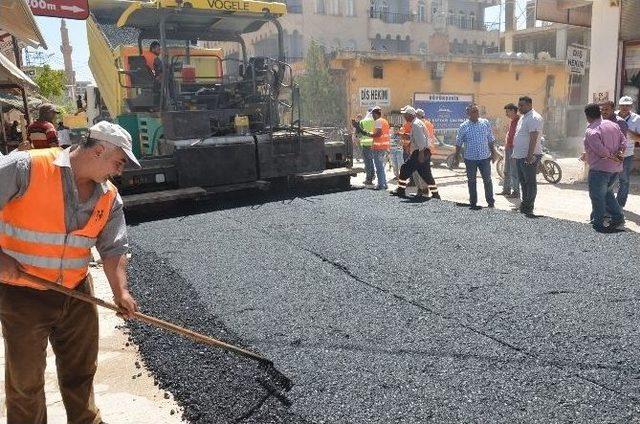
(445, 111)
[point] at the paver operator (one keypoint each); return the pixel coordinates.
(55, 205)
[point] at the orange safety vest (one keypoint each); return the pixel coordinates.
(383, 142)
(33, 230)
(430, 129)
(406, 144)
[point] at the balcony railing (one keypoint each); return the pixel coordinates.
(390, 17)
(464, 22)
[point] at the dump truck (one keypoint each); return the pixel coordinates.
(207, 123)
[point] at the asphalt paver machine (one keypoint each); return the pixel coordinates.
(222, 124)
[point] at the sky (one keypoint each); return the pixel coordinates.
(50, 28)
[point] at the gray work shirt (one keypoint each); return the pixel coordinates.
(15, 171)
(418, 136)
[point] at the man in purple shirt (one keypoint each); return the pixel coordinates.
(604, 146)
(608, 111)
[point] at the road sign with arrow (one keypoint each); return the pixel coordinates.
(69, 9)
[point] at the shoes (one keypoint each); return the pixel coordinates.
(400, 192)
(368, 182)
(513, 195)
(505, 193)
(616, 225)
(381, 188)
(492, 205)
(607, 230)
(435, 196)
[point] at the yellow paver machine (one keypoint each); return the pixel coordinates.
(206, 123)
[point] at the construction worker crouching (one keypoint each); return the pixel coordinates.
(420, 158)
(55, 205)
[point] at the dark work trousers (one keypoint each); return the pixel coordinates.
(31, 317)
(529, 186)
(423, 169)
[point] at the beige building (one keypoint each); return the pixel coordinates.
(393, 26)
(550, 40)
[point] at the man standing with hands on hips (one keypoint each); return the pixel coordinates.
(55, 205)
(527, 151)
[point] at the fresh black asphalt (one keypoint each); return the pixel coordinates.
(383, 310)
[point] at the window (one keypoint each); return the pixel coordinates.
(334, 7)
(351, 45)
(422, 11)
(472, 21)
(349, 8)
(294, 6)
(320, 10)
(477, 76)
(378, 72)
(462, 20)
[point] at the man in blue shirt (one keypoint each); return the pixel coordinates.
(476, 136)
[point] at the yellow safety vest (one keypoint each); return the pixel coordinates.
(367, 125)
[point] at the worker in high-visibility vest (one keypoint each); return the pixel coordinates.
(55, 205)
(366, 143)
(381, 136)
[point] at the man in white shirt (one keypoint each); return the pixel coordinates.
(633, 136)
(420, 159)
(527, 151)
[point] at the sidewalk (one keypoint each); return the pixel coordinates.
(124, 393)
(567, 200)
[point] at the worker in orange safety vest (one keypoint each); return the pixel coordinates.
(55, 205)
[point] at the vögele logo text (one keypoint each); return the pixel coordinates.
(228, 5)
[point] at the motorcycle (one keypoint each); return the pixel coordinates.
(547, 166)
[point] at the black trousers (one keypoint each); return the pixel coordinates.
(424, 170)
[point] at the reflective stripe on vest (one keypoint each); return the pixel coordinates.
(46, 238)
(33, 229)
(46, 262)
(384, 140)
(367, 125)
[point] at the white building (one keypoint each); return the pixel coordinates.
(615, 42)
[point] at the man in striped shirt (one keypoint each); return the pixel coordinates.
(41, 133)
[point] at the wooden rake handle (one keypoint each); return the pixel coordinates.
(156, 322)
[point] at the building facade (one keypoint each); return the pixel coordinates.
(492, 82)
(389, 26)
(547, 39)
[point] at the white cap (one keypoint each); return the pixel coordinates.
(420, 113)
(376, 108)
(116, 135)
(408, 110)
(625, 101)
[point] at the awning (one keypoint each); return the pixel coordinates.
(11, 75)
(16, 19)
(10, 100)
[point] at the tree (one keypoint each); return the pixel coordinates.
(323, 100)
(52, 82)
